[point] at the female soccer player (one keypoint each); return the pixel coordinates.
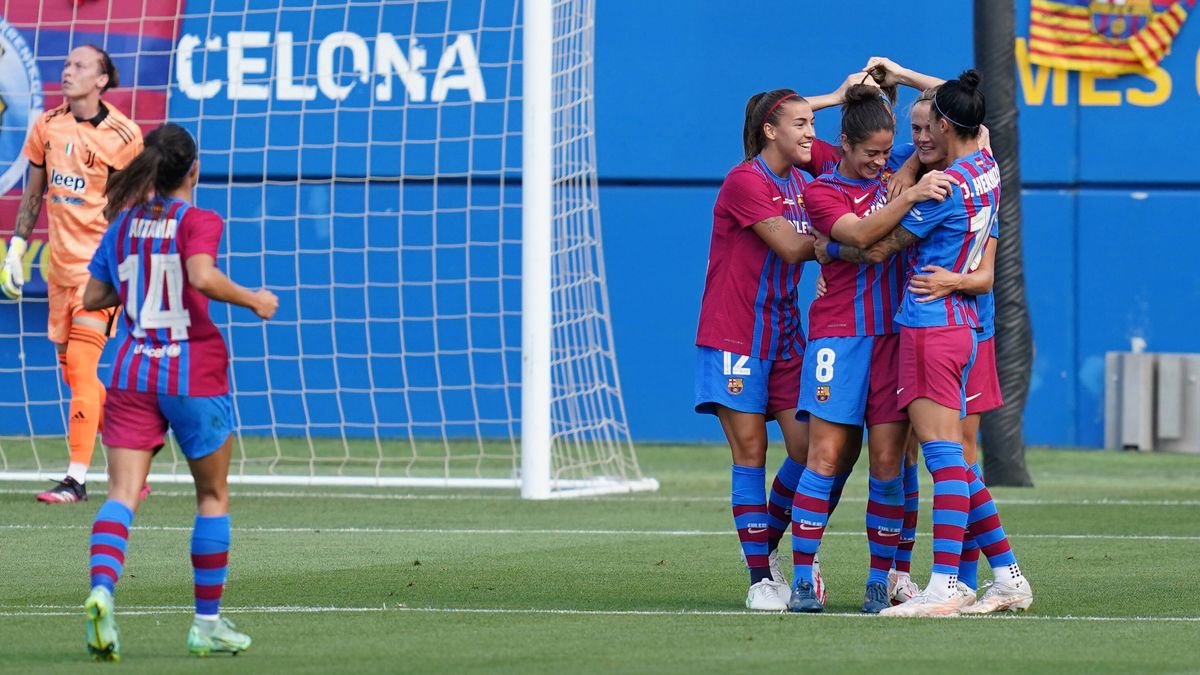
(850, 375)
(750, 339)
(158, 259)
(77, 146)
(984, 529)
(937, 339)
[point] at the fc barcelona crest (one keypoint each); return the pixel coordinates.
(735, 385)
(822, 394)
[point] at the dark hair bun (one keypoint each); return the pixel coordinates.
(858, 93)
(969, 79)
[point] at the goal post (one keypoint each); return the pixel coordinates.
(537, 217)
(416, 180)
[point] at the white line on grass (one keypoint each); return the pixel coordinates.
(415, 496)
(565, 532)
(70, 610)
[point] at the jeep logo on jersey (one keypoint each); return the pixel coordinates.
(20, 102)
(72, 183)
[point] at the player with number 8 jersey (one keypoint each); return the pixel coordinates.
(750, 339)
(158, 259)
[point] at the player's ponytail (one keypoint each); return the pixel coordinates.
(865, 112)
(960, 103)
(763, 108)
(160, 168)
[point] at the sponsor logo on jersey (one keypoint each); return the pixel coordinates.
(74, 201)
(170, 351)
(822, 394)
(735, 385)
(76, 184)
(20, 101)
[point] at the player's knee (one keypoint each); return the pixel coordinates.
(212, 498)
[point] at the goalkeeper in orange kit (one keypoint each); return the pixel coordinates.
(72, 150)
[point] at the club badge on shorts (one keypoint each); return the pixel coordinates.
(822, 394)
(735, 385)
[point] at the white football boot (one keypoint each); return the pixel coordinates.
(818, 582)
(768, 596)
(776, 570)
(926, 604)
(901, 587)
(1015, 595)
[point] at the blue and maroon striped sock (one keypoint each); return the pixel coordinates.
(779, 505)
(835, 491)
(968, 564)
(810, 515)
(749, 501)
(951, 502)
(984, 521)
(110, 538)
(885, 516)
(210, 563)
(908, 531)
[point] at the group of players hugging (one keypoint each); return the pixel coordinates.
(123, 233)
(900, 339)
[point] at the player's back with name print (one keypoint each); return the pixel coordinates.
(978, 179)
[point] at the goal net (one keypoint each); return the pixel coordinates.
(370, 160)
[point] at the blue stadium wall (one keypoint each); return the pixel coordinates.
(1108, 166)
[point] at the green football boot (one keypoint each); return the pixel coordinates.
(207, 637)
(102, 641)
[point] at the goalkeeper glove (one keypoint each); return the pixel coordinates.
(12, 276)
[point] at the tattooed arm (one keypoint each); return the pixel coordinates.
(784, 240)
(31, 202)
(894, 242)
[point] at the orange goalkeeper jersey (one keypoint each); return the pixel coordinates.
(78, 156)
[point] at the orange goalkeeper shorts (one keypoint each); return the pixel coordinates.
(66, 303)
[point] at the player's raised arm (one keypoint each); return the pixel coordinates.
(838, 96)
(888, 73)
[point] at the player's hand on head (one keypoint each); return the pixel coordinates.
(885, 68)
(857, 77)
(12, 275)
(822, 287)
(933, 283)
(933, 185)
(265, 303)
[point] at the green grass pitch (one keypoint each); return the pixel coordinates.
(402, 581)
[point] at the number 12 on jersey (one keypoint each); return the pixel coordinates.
(165, 270)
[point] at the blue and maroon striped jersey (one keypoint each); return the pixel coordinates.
(985, 304)
(860, 299)
(953, 234)
(749, 304)
(169, 344)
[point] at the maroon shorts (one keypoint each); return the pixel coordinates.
(783, 385)
(881, 397)
(934, 363)
(983, 384)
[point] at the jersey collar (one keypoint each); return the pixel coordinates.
(98, 118)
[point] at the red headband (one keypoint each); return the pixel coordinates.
(772, 110)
